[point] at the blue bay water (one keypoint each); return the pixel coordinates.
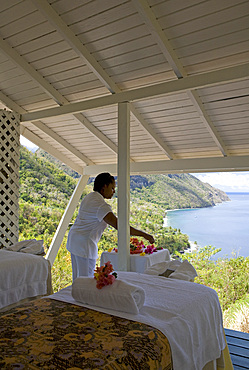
(224, 226)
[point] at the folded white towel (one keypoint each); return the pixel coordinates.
(161, 267)
(174, 269)
(16, 247)
(157, 268)
(185, 271)
(120, 296)
(180, 276)
(36, 247)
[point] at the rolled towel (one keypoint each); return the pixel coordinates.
(120, 296)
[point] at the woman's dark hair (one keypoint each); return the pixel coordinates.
(101, 180)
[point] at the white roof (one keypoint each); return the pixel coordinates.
(182, 65)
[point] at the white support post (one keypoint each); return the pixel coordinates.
(123, 187)
(64, 222)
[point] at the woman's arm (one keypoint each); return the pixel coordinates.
(112, 220)
(136, 232)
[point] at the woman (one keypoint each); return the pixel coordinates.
(93, 217)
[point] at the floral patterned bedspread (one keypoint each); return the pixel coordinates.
(50, 334)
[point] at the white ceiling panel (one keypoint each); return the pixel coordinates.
(57, 53)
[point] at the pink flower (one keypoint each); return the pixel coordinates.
(138, 247)
(150, 249)
(111, 279)
(104, 275)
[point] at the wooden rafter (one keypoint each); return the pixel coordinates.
(24, 131)
(193, 165)
(225, 75)
(52, 92)
(82, 51)
(42, 143)
(163, 42)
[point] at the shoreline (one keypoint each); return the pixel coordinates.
(192, 247)
(189, 209)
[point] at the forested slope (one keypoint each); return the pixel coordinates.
(169, 191)
(176, 191)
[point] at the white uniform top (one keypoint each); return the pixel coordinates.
(89, 226)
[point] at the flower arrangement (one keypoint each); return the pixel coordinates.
(105, 275)
(138, 247)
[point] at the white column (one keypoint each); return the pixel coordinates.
(66, 218)
(123, 187)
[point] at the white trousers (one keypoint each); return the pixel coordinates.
(82, 266)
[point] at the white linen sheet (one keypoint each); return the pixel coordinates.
(22, 275)
(188, 314)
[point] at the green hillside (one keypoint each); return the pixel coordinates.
(168, 191)
(177, 191)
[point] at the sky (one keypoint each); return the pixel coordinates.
(226, 181)
(27, 143)
(230, 182)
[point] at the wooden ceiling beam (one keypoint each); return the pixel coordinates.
(163, 42)
(24, 131)
(207, 79)
(156, 138)
(42, 143)
(29, 70)
(193, 165)
(53, 93)
(51, 15)
(159, 36)
(41, 126)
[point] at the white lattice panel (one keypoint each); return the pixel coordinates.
(9, 177)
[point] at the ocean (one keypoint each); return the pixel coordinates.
(224, 226)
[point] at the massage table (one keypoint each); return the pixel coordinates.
(179, 327)
(23, 277)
